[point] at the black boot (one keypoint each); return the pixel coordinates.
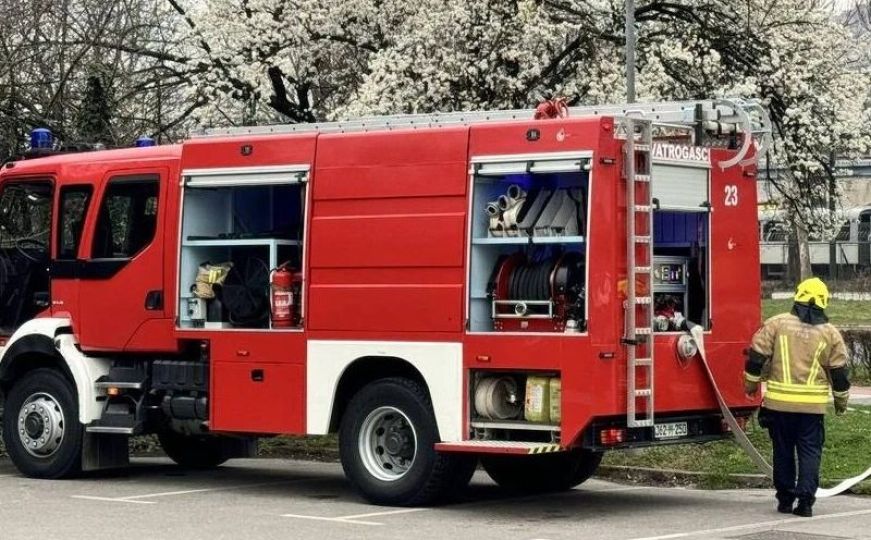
(804, 510)
(784, 507)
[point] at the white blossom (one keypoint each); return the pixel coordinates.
(351, 58)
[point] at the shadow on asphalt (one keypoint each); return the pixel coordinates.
(331, 485)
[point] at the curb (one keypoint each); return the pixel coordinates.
(676, 477)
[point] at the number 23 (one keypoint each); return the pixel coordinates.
(731, 195)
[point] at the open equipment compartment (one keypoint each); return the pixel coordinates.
(681, 232)
(238, 228)
(528, 224)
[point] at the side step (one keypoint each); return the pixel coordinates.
(499, 447)
(111, 430)
(103, 384)
(116, 423)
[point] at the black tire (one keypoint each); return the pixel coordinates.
(195, 451)
(430, 476)
(65, 458)
(542, 473)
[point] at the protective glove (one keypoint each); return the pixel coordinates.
(751, 389)
(840, 405)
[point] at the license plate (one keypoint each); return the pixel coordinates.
(674, 430)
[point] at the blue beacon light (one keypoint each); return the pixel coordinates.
(41, 138)
(145, 141)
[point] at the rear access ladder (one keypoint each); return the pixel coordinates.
(638, 336)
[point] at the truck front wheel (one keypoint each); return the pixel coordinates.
(387, 445)
(41, 428)
(544, 472)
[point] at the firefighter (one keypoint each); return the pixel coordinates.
(799, 355)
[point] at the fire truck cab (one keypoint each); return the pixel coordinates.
(435, 289)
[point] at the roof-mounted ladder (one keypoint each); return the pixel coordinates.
(715, 118)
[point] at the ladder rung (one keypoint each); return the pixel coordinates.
(644, 362)
(642, 239)
(641, 147)
(642, 269)
(643, 331)
(642, 423)
(643, 299)
(643, 208)
(642, 178)
(644, 392)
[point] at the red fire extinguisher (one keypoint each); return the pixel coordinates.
(282, 297)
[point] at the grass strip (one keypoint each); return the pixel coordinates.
(845, 454)
(840, 312)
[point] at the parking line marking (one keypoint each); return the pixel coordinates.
(95, 498)
(135, 498)
(333, 519)
(355, 518)
(386, 513)
(774, 523)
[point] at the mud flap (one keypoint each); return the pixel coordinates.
(101, 451)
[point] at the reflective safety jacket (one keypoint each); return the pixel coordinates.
(800, 362)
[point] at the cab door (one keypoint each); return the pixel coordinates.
(121, 280)
(25, 222)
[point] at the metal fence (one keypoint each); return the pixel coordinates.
(835, 259)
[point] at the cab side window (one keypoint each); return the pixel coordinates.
(74, 201)
(128, 217)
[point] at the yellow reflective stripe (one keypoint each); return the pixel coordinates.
(797, 398)
(784, 359)
(799, 388)
(815, 368)
(752, 378)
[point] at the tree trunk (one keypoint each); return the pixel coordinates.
(804, 253)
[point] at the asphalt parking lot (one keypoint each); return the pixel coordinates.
(282, 499)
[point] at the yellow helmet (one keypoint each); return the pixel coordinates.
(812, 289)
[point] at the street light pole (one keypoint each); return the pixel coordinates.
(630, 51)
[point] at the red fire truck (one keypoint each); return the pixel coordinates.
(438, 290)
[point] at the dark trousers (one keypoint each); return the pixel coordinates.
(796, 435)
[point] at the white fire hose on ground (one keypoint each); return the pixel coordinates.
(698, 336)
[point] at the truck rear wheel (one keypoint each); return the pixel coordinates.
(542, 473)
(41, 428)
(195, 451)
(387, 446)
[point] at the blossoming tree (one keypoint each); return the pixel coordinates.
(301, 60)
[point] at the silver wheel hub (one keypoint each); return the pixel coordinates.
(41, 425)
(387, 444)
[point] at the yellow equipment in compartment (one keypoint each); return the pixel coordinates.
(542, 403)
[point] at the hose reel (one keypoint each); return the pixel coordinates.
(541, 294)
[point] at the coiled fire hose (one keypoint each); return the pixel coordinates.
(697, 332)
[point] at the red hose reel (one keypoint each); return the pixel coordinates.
(544, 295)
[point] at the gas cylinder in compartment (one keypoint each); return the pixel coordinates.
(555, 399)
(537, 404)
